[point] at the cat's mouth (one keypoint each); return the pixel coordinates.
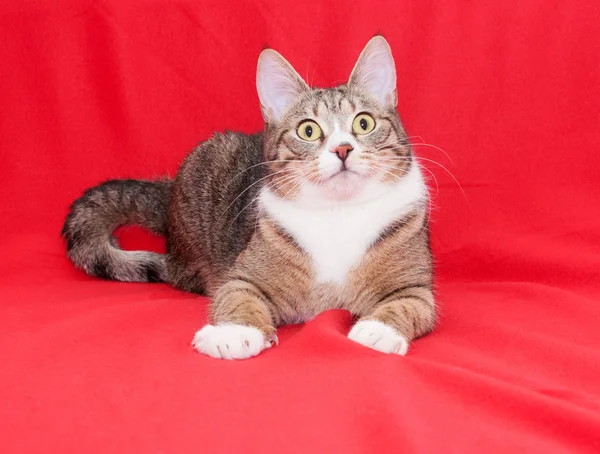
(350, 171)
(344, 174)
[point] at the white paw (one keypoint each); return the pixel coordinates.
(379, 336)
(230, 341)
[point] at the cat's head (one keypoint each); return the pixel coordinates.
(335, 142)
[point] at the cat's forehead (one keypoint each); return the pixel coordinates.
(331, 103)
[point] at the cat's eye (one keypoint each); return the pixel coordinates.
(363, 124)
(309, 131)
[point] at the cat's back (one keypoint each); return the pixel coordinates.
(211, 213)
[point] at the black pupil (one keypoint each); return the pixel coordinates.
(363, 124)
(308, 131)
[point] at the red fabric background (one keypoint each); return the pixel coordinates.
(91, 90)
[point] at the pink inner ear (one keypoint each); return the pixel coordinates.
(375, 72)
(278, 85)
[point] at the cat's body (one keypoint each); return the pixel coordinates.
(326, 209)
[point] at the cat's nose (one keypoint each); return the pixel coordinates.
(343, 150)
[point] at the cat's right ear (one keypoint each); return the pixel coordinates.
(278, 85)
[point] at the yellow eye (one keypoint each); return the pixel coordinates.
(363, 124)
(309, 130)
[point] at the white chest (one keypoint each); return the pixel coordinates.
(336, 237)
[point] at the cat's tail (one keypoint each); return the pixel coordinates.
(89, 227)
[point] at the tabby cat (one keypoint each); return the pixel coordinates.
(326, 208)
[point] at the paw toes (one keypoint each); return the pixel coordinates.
(229, 341)
(379, 336)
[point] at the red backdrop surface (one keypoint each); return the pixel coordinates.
(92, 90)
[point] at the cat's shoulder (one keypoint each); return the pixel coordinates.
(224, 150)
(231, 140)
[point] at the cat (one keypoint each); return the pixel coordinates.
(326, 208)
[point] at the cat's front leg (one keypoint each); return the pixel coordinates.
(394, 322)
(241, 325)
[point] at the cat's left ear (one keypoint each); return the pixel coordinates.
(375, 72)
(278, 84)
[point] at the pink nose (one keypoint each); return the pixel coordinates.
(343, 150)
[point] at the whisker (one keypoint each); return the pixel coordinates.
(250, 186)
(430, 204)
(391, 146)
(257, 165)
(300, 181)
(251, 202)
(401, 158)
(437, 186)
(423, 144)
(260, 208)
(379, 167)
(449, 173)
(291, 180)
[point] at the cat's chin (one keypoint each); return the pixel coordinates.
(342, 186)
